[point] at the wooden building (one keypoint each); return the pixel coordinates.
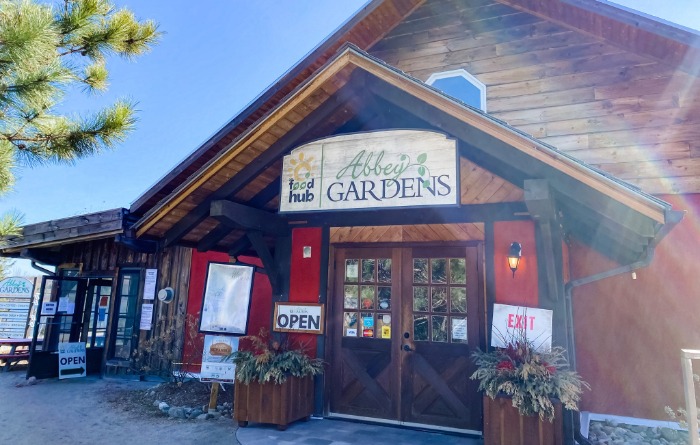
(573, 123)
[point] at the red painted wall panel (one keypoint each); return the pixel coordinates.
(260, 309)
(521, 290)
(629, 332)
(305, 278)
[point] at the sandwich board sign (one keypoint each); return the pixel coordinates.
(15, 301)
(217, 362)
(71, 360)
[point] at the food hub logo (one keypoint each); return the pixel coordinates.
(301, 179)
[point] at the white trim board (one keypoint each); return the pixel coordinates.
(421, 426)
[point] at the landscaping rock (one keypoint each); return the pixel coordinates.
(177, 412)
(611, 432)
(164, 407)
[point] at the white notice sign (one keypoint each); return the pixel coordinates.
(395, 168)
(146, 316)
(515, 321)
(49, 308)
(71, 360)
(459, 329)
(149, 286)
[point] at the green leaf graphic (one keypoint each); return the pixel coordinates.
(422, 158)
(421, 170)
(426, 183)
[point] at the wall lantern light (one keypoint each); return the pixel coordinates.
(514, 254)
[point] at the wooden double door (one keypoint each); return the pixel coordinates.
(405, 322)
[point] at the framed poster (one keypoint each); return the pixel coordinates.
(226, 300)
(217, 362)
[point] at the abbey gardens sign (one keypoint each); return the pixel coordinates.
(396, 168)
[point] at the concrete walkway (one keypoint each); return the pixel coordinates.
(341, 432)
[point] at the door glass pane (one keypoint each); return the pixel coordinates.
(127, 295)
(367, 296)
(367, 323)
(420, 270)
(368, 267)
(439, 328)
(458, 271)
(420, 327)
(439, 299)
(420, 299)
(438, 270)
(351, 270)
(350, 300)
(458, 295)
(384, 326)
(371, 294)
(350, 324)
(384, 270)
(384, 298)
(459, 329)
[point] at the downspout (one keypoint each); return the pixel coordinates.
(42, 270)
(672, 218)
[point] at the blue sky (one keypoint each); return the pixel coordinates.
(214, 58)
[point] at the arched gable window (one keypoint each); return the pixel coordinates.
(460, 85)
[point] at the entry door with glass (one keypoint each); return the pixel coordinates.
(70, 310)
(407, 320)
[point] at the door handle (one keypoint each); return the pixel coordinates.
(407, 348)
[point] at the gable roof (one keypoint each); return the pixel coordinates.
(638, 33)
(248, 166)
(86, 227)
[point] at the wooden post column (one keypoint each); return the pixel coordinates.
(540, 203)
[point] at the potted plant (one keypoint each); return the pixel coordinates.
(274, 383)
(524, 390)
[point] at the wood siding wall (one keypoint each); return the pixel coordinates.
(477, 186)
(627, 114)
(104, 258)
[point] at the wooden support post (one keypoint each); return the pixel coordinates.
(691, 407)
(213, 396)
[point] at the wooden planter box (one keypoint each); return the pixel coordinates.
(276, 404)
(503, 425)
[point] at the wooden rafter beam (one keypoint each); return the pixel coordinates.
(293, 137)
(244, 217)
(240, 246)
(427, 215)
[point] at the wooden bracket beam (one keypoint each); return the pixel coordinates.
(258, 242)
(240, 216)
(211, 239)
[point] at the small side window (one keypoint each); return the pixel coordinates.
(461, 85)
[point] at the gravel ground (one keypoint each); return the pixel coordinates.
(82, 411)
